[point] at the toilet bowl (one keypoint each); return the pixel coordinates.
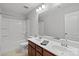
(23, 45)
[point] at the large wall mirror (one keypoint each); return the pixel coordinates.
(72, 26)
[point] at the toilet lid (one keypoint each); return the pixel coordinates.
(24, 43)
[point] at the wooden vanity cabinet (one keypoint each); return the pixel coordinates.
(35, 50)
(31, 49)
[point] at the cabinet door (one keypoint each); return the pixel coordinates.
(39, 49)
(38, 54)
(29, 50)
(33, 51)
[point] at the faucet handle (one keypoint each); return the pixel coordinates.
(63, 42)
(66, 33)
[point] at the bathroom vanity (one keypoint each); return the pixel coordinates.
(36, 50)
(47, 47)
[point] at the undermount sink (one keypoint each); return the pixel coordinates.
(65, 50)
(44, 42)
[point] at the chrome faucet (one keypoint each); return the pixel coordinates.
(57, 38)
(64, 43)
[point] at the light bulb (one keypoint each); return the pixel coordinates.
(40, 8)
(37, 10)
(43, 6)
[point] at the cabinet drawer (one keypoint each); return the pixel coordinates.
(32, 44)
(39, 49)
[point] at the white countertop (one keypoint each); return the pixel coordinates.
(56, 48)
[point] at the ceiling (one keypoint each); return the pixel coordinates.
(17, 9)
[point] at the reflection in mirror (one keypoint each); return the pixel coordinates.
(41, 26)
(60, 21)
(71, 26)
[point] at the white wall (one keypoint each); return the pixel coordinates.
(0, 31)
(0, 26)
(55, 21)
(33, 17)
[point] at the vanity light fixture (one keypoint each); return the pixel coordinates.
(41, 8)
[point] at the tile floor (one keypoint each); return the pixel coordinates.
(15, 53)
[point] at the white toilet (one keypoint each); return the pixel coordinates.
(23, 45)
